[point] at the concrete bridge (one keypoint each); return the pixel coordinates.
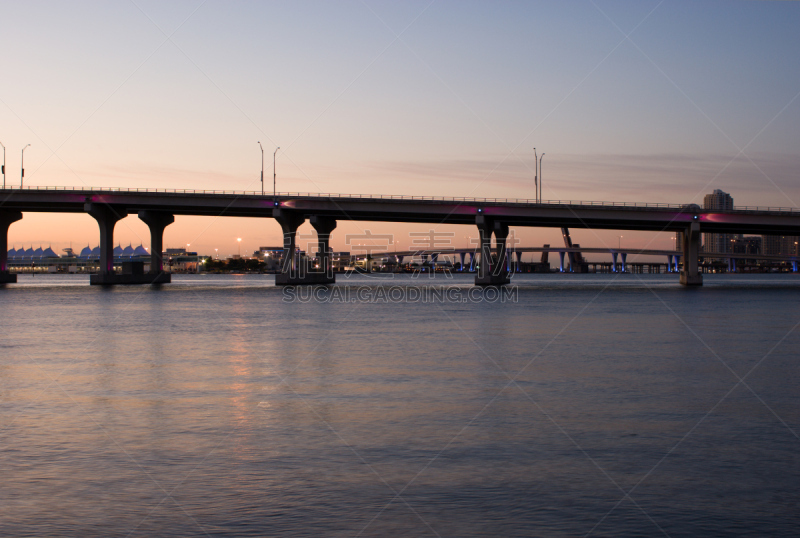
(468, 256)
(492, 217)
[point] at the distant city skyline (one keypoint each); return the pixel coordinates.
(630, 101)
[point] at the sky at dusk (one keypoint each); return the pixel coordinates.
(639, 101)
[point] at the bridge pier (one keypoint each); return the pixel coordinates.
(324, 226)
(561, 267)
(690, 276)
(624, 256)
(157, 221)
(293, 273)
(107, 217)
(614, 264)
(669, 263)
(492, 271)
(7, 218)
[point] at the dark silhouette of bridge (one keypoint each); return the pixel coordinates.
(492, 217)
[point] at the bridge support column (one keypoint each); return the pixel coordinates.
(614, 264)
(491, 271)
(561, 255)
(675, 269)
(324, 226)
(624, 256)
(690, 276)
(292, 272)
(500, 269)
(518, 268)
(7, 218)
(462, 256)
(107, 217)
(669, 263)
(157, 221)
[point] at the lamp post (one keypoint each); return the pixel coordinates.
(239, 240)
(536, 174)
(262, 168)
(540, 177)
(274, 175)
(4, 165)
(22, 167)
(619, 241)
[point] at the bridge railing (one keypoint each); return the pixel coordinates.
(328, 195)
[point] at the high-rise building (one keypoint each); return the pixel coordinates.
(678, 240)
(779, 245)
(747, 244)
(718, 201)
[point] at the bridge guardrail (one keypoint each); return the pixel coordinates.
(521, 201)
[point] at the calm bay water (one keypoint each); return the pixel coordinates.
(588, 404)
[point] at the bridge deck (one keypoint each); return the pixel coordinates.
(432, 210)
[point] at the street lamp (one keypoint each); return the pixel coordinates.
(4, 165)
(22, 167)
(273, 171)
(239, 240)
(536, 174)
(262, 168)
(619, 241)
(540, 177)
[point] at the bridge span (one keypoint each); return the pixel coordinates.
(619, 256)
(492, 217)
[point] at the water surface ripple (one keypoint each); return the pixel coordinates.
(592, 404)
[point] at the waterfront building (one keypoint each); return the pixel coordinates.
(716, 242)
(747, 244)
(780, 245)
(46, 260)
(180, 260)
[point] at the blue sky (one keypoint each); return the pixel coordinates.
(631, 101)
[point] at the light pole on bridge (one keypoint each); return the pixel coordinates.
(22, 167)
(274, 175)
(262, 167)
(536, 174)
(540, 177)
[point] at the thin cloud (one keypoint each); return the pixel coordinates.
(640, 178)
